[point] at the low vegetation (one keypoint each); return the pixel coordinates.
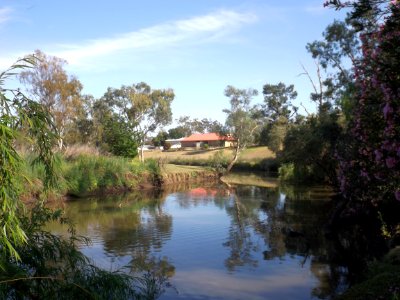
(253, 158)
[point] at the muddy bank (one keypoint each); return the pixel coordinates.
(192, 177)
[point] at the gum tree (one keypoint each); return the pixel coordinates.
(145, 109)
(242, 119)
(50, 85)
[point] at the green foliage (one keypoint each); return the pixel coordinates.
(152, 166)
(276, 134)
(34, 263)
(219, 161)
(310, 148)
(118, 137)
(88, 174)
(188, 126)
(242, 119)
(286, 172)
(142, 108)
(167, 146)
(50, 84)
(278, 101)
(178, 132)
(159, 140)
(17, 111)
(51, 267)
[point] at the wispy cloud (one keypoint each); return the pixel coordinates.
(5, 14)
(198, 29)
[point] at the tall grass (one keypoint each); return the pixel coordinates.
(88, 174)
(82, 175)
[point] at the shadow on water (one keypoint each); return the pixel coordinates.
(233, 235)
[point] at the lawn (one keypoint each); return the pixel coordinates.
(249, 155)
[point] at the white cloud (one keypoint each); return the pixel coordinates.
(194, 30)
(5, 14)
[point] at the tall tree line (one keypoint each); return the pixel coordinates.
(118, 122)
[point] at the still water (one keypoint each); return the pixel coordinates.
(217, 241)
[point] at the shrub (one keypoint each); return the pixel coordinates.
(218, 161)
(167, 146)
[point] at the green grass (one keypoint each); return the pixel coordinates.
(84, 175)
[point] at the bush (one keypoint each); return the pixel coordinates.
(218, 161)
(167, 146)
(118, 138)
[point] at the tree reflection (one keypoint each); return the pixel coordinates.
(240, 237)
(132, 225)
(273, 223)
(289, 223)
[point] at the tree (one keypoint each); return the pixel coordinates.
(50, 84)
(278, 100)
(336, 54)
(278, 109)
(200, 126)
(241, 121)
(145, 109)
(178, 132)
(117, 137)
(369, 159)
(82, 130)
(159, 139)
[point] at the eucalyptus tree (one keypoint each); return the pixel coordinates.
(278, 100)
(200, 126)
(144, 108)
(242, 119)
(336, 55)
(278, 109)
(50, 85)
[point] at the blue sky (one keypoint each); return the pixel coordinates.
(196, 47)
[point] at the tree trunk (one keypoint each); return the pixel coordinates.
(142, 153)
(235, 157)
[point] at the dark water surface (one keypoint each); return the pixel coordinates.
(217, 241)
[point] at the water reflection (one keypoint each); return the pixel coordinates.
(218, 241)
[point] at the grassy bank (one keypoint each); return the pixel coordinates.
(252, 158)
(84, 175)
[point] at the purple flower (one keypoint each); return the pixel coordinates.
(378, 155)
(390, 162)
(397, 195)
(387, 110)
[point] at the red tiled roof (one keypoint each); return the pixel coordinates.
(200, 137)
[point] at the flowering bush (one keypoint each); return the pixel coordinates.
(369, 161)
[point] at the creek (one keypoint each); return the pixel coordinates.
(257, 240)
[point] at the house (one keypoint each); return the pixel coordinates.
(212, 140)
(175, 143)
